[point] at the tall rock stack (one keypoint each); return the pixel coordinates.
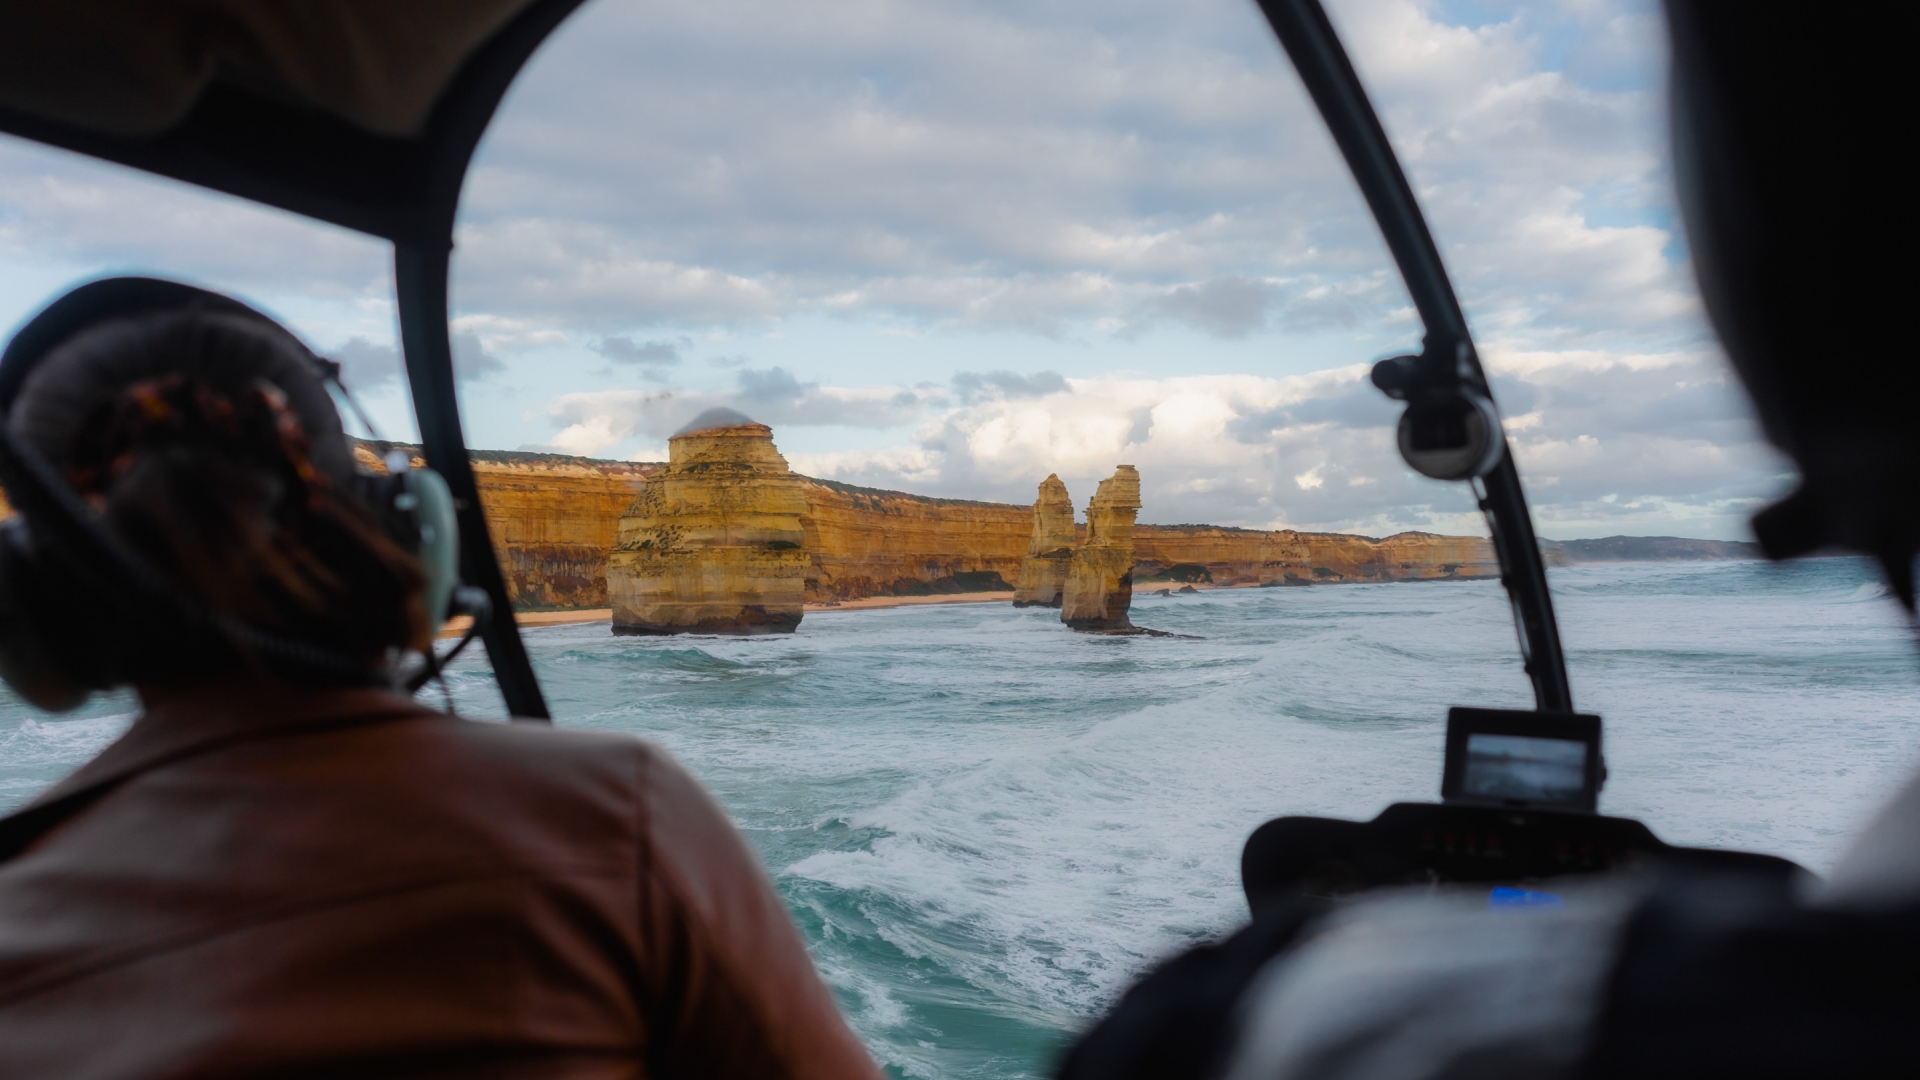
(713, 544)
(1099, 586)
(1043, 573)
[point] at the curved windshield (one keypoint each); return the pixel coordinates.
(1031, 299)
(944, 253)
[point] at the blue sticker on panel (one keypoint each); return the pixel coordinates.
(1506, 896)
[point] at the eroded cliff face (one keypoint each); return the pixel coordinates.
(1099, 587)
(1043, 573)
(1286, 557)
(554, 520)
(865, 542)
(712, 544)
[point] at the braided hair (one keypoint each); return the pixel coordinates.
(179, 429)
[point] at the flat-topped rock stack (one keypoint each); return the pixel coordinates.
(713, 544)
(1099, 587)
(1043, 573)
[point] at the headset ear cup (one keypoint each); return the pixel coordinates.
(415, 506)
(30, 661)
(439, 541)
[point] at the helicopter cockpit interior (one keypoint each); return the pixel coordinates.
(368, 118)
(357, 144)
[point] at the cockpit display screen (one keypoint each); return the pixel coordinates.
(1523, 759)
(1525, 768)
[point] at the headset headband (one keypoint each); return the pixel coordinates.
(111, 299)
(94, 303)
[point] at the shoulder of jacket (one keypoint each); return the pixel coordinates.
(545, 741)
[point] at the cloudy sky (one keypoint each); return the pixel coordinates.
(950, 246)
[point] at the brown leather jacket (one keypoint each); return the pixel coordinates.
(345, 884)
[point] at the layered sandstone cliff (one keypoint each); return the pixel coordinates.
(554, 520)
(1099, 587)
(865, 542)
(713, 544)
(1226, 556)
(1043, 573)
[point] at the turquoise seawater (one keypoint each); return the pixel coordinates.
(987, 825)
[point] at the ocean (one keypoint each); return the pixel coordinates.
(986, 825)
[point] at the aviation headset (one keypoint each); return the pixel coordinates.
(55, 550)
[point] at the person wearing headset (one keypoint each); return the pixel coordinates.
(285, 868)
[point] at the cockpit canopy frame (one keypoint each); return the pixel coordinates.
(366, 115)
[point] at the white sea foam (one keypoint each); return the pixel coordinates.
(1068, 863)
(36, 750)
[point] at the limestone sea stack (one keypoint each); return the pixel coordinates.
(713, 544)
(1099, 586)
(1043, 573)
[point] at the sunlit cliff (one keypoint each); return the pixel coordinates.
(554, 520)
(713, 544)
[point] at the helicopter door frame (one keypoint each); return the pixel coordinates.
(1314, 47)
(404, 190)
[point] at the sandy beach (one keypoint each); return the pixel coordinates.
(458, 624)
